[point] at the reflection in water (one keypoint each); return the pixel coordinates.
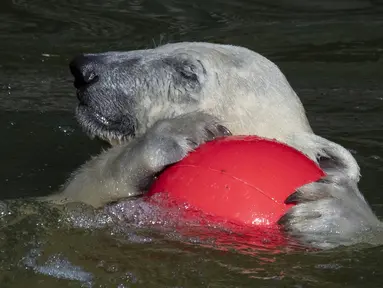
(58, 267)
(331, 52)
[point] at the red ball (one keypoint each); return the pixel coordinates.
(242, 179)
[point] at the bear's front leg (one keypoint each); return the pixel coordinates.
(127, 170)
(331, 212)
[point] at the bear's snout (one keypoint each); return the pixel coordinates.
(83, 68)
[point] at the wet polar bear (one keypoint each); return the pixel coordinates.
(156, 105)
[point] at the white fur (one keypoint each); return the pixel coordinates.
(248, 94)
(246, 91)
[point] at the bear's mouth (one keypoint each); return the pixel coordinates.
(97, 125)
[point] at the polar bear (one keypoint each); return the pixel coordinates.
(155, 105)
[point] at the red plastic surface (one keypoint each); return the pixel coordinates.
(241, 179)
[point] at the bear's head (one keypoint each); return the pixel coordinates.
(122, 94)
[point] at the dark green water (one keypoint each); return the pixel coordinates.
(330, 50)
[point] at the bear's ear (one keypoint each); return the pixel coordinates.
(188, 70)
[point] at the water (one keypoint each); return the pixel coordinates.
(331, 52)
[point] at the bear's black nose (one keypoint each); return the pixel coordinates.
(83, 68)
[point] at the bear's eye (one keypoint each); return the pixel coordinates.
(188, 76)
(185, 69)
(188, 71)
